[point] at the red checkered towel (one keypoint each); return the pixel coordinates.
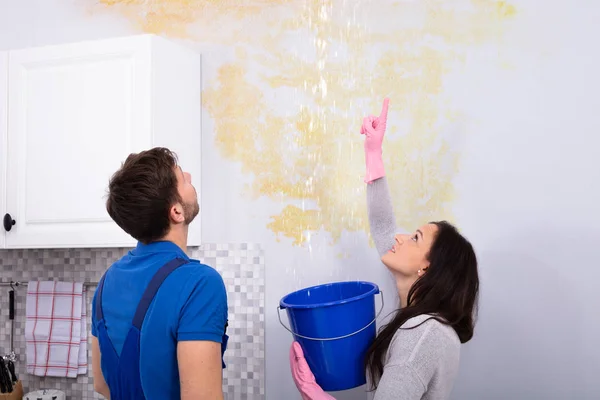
(56, 330)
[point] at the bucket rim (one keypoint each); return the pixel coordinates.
(372, 292)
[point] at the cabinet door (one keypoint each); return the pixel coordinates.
(76, 111)
(3, 138)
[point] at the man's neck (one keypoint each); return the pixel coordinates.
(179, 237)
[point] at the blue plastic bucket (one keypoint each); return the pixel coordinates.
(335, 325)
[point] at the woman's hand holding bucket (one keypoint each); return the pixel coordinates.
(303, 376)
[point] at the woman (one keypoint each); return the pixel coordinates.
(416, 355)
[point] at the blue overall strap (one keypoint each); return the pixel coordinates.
(152, 288)
(122, 371)
(99, 289)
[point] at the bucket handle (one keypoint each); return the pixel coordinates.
(335, 338)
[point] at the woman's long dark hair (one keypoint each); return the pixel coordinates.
(448, 291)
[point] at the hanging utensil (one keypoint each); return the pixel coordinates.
(11, 316)
(9, 383)
(3, 387)
(5, 380)
(13, 373)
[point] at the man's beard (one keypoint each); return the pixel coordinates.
(190, 211)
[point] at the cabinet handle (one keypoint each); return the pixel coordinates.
(8, 222)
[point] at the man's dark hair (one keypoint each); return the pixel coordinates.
(141, 193)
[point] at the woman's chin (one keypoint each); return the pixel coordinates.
(391, 264)
(386, 260)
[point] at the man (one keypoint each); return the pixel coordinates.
(158, 317)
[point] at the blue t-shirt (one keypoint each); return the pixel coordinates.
(191, 304)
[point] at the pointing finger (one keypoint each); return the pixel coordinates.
(384, 109)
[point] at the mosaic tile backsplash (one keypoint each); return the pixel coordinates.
(242, 269)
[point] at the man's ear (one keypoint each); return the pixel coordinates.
(176, 214)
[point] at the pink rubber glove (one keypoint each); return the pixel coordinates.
(374, 129)
(303, 376)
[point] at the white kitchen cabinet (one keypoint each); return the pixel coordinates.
(75, 111)
(3, 128)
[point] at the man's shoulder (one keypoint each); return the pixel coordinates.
(197, 271)
(196, 280)
(138, 271)
(151, 263)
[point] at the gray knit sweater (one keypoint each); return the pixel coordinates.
(421, 363)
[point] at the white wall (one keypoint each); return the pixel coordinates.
(527, 196)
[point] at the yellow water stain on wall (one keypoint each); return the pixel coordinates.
(310, 159)
(321, 170)
(239, 132)
(296, 223)
(154, 16)
(292, 158)
(505, 10)
(174, 17)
